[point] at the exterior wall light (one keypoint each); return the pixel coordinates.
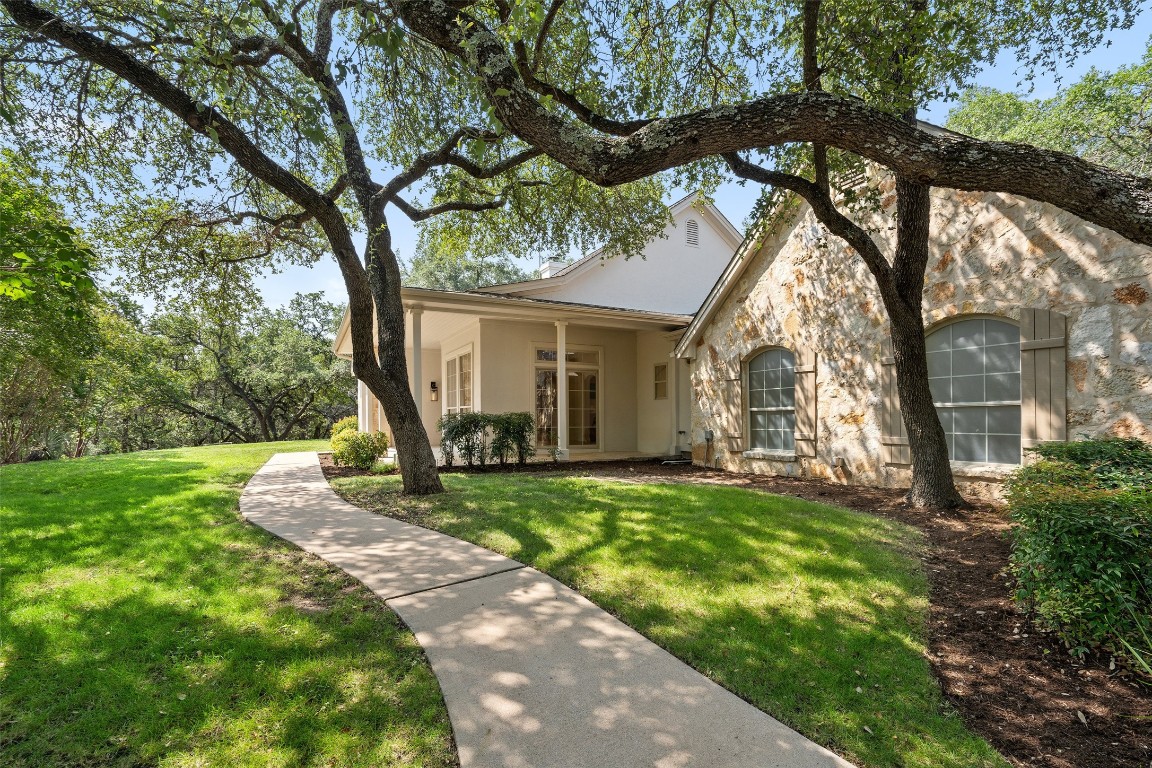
(434, 393)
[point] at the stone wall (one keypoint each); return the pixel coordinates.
(992, 254)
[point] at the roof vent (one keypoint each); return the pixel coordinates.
(550, 267)
(692, 233)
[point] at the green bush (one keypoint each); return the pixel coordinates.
(348, 423)
(512, 436)
(358, 449)
(1082, 544)
(466, 435)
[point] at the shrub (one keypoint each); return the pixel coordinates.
(358, 449)
(512, 436)
(348, 423)
(1082, 544)
(465, 434)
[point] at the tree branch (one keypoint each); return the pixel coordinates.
(1111, 199)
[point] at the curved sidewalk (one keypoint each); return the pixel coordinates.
(533, 674)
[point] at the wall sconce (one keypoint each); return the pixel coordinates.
(434, 393)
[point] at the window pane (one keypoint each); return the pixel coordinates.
(970, 448)
(584, 358)
(546, 355)
(1003, 386)
(970, 420)
(1004, 420)
(1002, 358)
(1004, 449)
(967, 333)
(967, 361)
(999, 332)
(940, 363)
(941, 390)
(967, 389)
(788, 397)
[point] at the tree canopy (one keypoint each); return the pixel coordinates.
(1105, 118)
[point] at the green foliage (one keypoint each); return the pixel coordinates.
(145, 623)
(1082, 544)
(467, 434)
(817, 615)
(1103, 118)
(358, 449)
(346, 424)
(512, 436)
(443, 265)
(40, 253)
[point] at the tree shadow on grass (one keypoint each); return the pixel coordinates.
(812, 613)
(143, 619)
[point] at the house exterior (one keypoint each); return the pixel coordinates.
(1039, 328)
(606, 327)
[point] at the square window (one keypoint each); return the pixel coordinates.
(772, 378)
(788, 397)
(946, 415)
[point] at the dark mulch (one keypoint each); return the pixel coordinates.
(1015, 686)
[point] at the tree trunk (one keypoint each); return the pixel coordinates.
(932, 484)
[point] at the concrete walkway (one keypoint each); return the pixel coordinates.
(533, 674)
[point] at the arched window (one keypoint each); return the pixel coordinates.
(692, 232)
(974, 375)
(772, 401)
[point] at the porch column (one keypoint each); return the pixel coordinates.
(361, 406)
(417, 361)
(562, 390)
(674, 374)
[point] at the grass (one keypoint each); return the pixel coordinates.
(815, 614)
(145, 624)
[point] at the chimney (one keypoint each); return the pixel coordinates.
(550, 267)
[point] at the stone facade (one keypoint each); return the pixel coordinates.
(992, 254)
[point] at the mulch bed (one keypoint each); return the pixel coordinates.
(1015, 686)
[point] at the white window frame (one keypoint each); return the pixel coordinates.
(453, 385)
(954, 406)
(746, 396)
(598, 368)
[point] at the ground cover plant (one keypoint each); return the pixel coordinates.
(815, 614)
(145, 624)
(1082, 545)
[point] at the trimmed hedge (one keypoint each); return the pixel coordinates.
(358, 449)
(1082, 544)
(466, 434)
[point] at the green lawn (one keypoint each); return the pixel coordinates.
(144, 623)
(815, 614)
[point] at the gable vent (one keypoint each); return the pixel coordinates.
(692, 232)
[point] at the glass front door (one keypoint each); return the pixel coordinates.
(583, 408)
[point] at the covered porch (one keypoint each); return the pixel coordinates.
(624, 395)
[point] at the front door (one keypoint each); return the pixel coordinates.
(583, 408)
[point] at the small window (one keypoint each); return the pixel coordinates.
(578, 357)
(974, 375)
(458, 384)
(661, 381)
(692, 233)
(772, 401)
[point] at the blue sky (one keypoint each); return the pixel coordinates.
(735, 201)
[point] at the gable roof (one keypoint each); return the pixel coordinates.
(717, 219)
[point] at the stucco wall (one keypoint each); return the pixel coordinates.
(991, 254)
(653, 417)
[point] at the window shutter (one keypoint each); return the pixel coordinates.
(805, 402)
(1043, 391)
(733, 410)
(893, 435)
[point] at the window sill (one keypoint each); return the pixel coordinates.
(972, 470)
(770, 455)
